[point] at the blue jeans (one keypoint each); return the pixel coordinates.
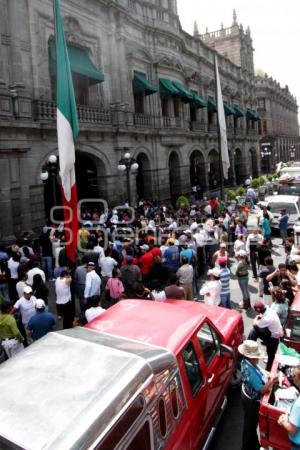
(4, 291)
(47, 266)
(225, 301)
(243, 283)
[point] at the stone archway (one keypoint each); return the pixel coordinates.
(213, 169)
(143, 178)
(90, 176)
(197, 170)
(174, 175)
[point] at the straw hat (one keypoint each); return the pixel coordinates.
(214, 272)
(251, 349)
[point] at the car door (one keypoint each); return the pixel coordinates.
(196, 395)
(217, 368)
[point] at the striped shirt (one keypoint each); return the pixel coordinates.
(225, 280)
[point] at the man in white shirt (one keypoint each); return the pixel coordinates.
(268, 328)
(200, 238)
(252, 241)
(36, 269)
(107, 264)
(92, 282)
(94, 309)
(26, 306)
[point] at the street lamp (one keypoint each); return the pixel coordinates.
(51, 169)
(128, 164)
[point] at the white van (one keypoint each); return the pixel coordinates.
(289, 202)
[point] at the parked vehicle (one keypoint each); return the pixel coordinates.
(292, 326)
(145, 375)
(289, 202)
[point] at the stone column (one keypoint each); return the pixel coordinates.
(25, 201)
(16, 26)
(6, 219)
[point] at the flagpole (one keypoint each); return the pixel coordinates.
(219, 137)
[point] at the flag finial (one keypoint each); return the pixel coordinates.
(234, 18)
(196, 29)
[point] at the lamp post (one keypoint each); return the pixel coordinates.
(51, 169)
(128, 164)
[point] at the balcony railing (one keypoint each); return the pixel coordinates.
(198, 126)
(46, 111)
(212, 128)
(142, 120)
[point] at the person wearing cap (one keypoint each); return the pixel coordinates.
(171, 256)
(291, 422)
(242, 274)
(92, 282)
(212, 288)
(255, 382)
(41, 322)
(26, 306)
(267, 327)
(10, 336)
(145, 261)
(283, 223)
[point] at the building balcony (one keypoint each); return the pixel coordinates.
(212, 128)
(142, 120)
(45, 111)
(252, 132)
(198, 127)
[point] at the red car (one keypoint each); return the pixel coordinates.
(204, 340)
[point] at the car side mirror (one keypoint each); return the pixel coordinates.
(227, 351)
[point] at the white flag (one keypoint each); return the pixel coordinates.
(222, 124)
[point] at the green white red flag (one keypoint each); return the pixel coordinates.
(67, 130)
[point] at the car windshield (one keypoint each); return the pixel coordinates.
(286, 189)
(277, 207)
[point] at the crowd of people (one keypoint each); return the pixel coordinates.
(153, 252)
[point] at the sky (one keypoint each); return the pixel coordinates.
(274, 26)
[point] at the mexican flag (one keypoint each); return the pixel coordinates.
(67, 130)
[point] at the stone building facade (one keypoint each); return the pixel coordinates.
(278, 127)
(156, 100)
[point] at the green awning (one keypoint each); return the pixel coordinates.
(229, 110)
(252, 115)
(166, 87)
(185, 94)
(141, 84)
(199, 101)
(80, 63)
(238, 112)
(211, 104)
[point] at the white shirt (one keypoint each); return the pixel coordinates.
(26, 307)
(271, 321)
(238, 245)
(13, 267)
(92, 284)
(159, 296)
(200, 238)
(107, 264)
(93, 312)
(63, 291)
(213, 288)
(20, 288)
(254, 238)
(207, 209)
(33, 272)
